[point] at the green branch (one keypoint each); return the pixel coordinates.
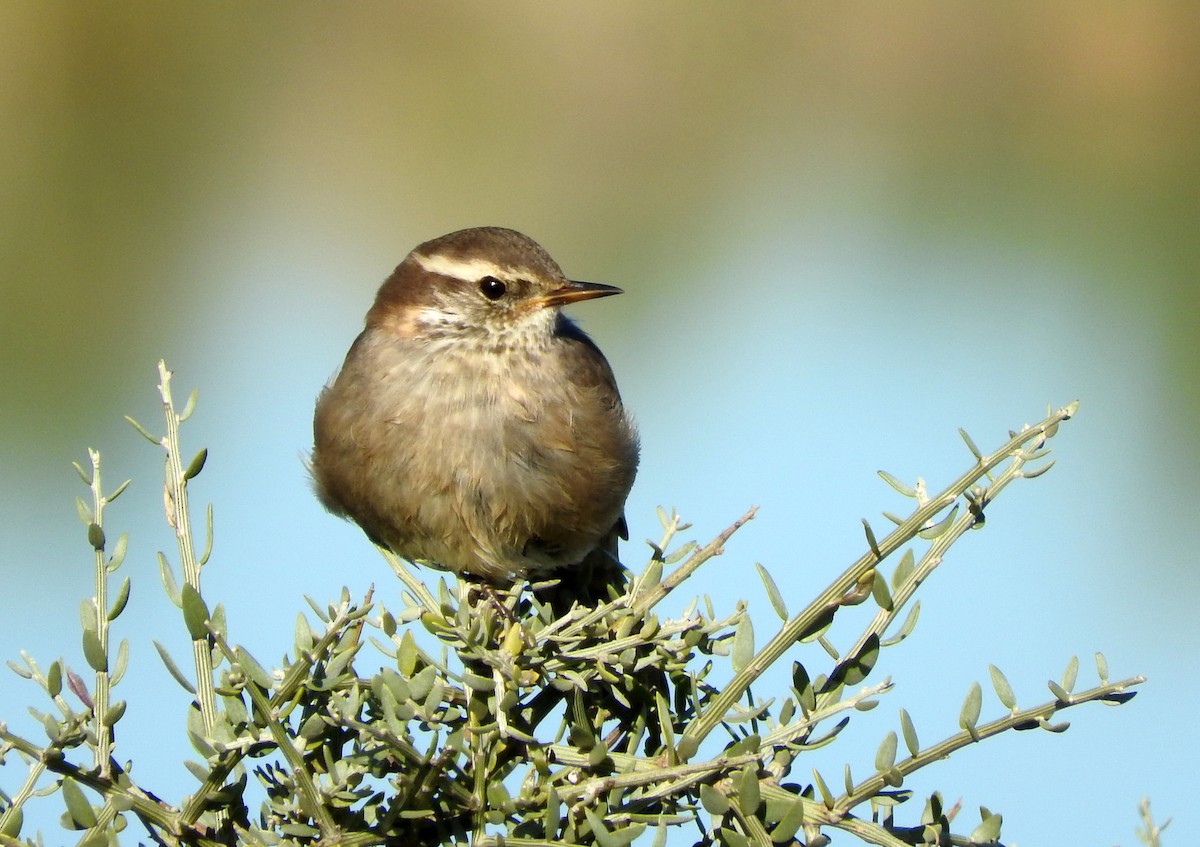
(815, 616)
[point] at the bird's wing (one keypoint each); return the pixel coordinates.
(589, 369)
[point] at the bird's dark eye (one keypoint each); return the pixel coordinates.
(492, 288)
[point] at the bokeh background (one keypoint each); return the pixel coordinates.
(844, 231)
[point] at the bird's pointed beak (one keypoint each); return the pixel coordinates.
(573, 291)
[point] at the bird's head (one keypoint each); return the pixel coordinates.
(486, 285)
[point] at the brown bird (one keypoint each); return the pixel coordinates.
(473, 427)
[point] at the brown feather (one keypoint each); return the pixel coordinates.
(481, 435)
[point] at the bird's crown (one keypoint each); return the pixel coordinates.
(487, 281)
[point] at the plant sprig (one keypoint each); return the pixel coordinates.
(489, 717)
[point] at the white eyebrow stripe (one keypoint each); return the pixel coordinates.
(468, 270)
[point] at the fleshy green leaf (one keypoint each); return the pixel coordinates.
(253, 669)
(743, 644)
(861, 666)
(208, 536)
(1034, 473)
(686, 748)
(773, 593)
(805, 693)
(749, 793)
(122, 598)
(190, 405)
(93, 652)
(826, 794)
(122, 662)
(970, 444)
(972, 705)
(879, 590)
(885, 756)
(168, 580)
(117, 492)
(605, 837)
(553, 815)
(988, 831)
(153, 439)
(1070, 674)
(910, 622)
(906, 490)
(195, 612)
(1058, 691)
(652, 575)
(904, 569)
(82, 815)
(15, 818)
(936, 530)
(871, 542)
(173, 669)
(714, 802)
(1003, 689)
(789, 823)
(910, 733)
(196, 465)
(118, 553)
(87, 614)
(406, 654)
(676, 555)
(731, 838)
(217, 620)
(115, 712)
(421, 683)
(95, 536)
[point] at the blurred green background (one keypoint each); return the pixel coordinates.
(843, 233)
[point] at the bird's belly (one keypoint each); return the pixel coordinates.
(499, 479)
